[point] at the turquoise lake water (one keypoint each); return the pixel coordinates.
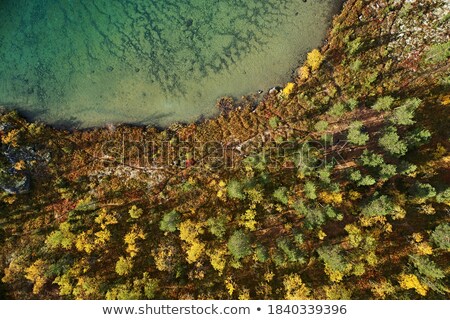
(92, 62)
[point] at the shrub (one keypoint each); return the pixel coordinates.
(354, 46)
(441, 236)
(387, 171)
(444, 196)
(321, 126)
(327, 138)
(337, 110)
(437, 53)
(406, 168)
(257, 162)
(367, 181)
(404, 114)
(310, 190)
(217, 226)
(427, 267)
(262, 254)
(281, 195)
(135, 212)
(352, 104)
(324, 175)
(314, 217)
(300, 208)
(355, 135)
(273, 122)
(418, 137)
(390, 141)
(430, 274)
(235, 190)
(381, 206)
(61, 238)
(356, 65)
(298, 238)
(239, 244)
(370, 159)
(383, 103)
(291, 252)
(355, 175)
(335, 265)
(170, 221)
(423, 190)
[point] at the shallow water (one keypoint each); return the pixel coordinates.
(86, 63)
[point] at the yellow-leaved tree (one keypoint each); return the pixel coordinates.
(314, 59)
(218, 259)
(124, 266)
(288, 90)
(295, 289)
(410, 281)
(189, 232)
(130, 239)
(36, 274)
(194, 251)
(304, 73)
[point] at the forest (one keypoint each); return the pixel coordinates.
(334, 186)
